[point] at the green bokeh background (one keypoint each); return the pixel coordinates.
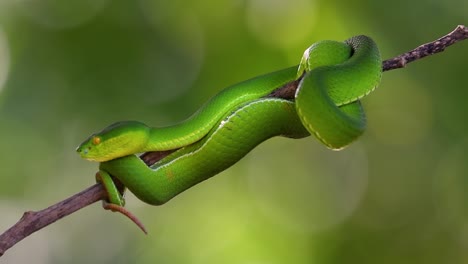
(398, 195)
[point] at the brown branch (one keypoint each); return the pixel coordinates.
(34, 221)
(458, 34)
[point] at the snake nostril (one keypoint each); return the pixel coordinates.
(84, 151)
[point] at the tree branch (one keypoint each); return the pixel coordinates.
(458, 34)
(32, 221)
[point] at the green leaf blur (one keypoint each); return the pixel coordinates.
(398, 195)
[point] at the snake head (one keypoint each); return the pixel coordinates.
(115, 141)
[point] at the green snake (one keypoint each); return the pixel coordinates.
(333, 76)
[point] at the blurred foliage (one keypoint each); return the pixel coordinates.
(399, 195)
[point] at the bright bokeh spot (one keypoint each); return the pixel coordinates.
(281, 24)
(4, 59)
(236, 233)
(178, 68)
(57, 14)
(312, 188)
(400, 114)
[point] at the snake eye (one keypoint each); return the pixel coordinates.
(96, 140)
